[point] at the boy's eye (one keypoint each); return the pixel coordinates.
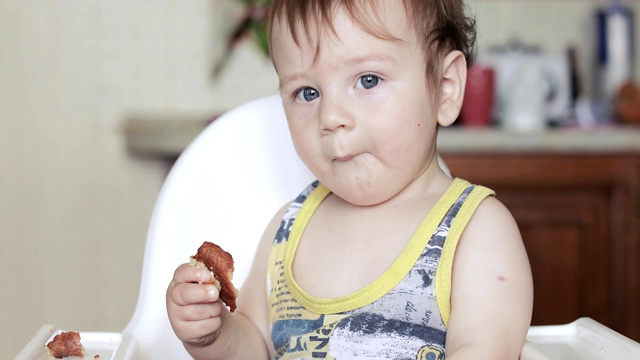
(368, 81)
(307, 94)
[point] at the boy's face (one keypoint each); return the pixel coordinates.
(360, 112)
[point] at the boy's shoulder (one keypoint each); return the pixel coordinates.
(492, 210)
(492, 226)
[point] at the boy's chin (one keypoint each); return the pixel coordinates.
(364, 194)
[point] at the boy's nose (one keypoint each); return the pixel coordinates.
(334, 116)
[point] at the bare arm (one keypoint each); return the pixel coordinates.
(492, 289)
(206, 328)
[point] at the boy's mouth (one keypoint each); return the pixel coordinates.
(343, 158)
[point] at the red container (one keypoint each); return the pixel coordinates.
(479, 95)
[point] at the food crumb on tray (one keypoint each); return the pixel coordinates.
(65, 344)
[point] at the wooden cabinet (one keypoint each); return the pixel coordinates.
(579, 216)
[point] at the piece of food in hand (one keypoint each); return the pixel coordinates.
(66, 344)
(220, 263)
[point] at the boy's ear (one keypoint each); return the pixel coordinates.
(452, 84)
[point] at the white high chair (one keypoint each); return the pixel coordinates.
(225, 187)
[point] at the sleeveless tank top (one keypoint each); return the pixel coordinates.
(401, 315)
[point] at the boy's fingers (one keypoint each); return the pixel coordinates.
(188, 294)
(187, 273)
(199, 312)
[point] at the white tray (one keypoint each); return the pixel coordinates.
(104, 345)
(582, 339)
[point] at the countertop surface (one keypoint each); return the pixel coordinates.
(168, 137)
(561, 140)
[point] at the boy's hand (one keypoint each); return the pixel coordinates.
(194, 310)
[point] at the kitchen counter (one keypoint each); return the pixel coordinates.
(603, 140)
(162, 137)
(167, 137)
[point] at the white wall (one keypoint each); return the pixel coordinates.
(74, 206)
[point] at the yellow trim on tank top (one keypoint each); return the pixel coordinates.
(389, 279)
(445, 265)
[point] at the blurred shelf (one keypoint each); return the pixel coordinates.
(163, 137)
(166, 137)
(490, 140)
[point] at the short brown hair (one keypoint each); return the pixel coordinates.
(443, 25)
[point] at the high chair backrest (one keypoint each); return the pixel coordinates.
(224, 188)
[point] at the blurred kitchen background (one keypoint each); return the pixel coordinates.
(98, 97)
